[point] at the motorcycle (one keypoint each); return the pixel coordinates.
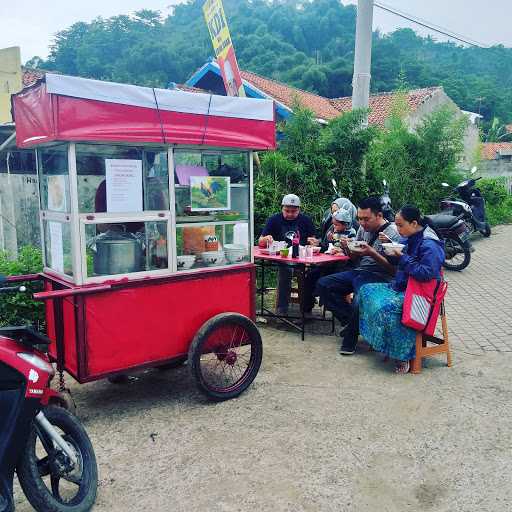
(347, 205)
(472, 205)
(455, 233)
(385, 201)
(43, 443)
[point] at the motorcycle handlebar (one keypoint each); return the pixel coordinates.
(13, 289)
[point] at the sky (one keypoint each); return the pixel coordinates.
(31, 24)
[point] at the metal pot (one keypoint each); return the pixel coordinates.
(117, 253)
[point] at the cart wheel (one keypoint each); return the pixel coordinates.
(225, 356)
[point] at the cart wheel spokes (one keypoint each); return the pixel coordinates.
(225, 355)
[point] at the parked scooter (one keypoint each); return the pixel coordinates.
(346, 205)
(43, 443)
(472, 205)
(385, 201)
(455, 234)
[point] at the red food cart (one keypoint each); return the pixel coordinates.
(146, 221)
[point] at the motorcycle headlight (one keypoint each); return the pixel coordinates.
(37, 362)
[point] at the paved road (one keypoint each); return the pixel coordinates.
(479, 303)
(317, 432)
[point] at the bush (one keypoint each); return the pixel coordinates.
(497, 200)
(416, 163)
(19, 308)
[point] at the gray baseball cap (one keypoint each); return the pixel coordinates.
(290, 200)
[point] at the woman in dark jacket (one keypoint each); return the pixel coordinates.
(381, 304)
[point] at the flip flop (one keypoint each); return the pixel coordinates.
(402, 367)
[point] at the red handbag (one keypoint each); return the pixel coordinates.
(422, 303)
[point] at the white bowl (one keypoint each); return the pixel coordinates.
(235, 252)
(185, 261)
(355, 245)
(390, 248)
(212, 258)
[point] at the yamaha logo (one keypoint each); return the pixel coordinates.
(33, 376)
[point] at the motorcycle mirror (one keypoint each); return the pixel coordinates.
(334, 184)
(385, 183)
(473, 169)
(445, 184)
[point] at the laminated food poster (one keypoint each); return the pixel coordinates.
(124, 185)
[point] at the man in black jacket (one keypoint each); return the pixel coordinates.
(283, 227)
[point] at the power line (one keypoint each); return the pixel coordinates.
(431, 26)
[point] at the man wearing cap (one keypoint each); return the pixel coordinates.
(282, 227)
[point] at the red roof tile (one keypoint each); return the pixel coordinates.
(490, 149)
(325, 108)
(287, 95)
(31, 76)
(381, 104)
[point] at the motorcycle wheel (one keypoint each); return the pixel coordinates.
(458, 253)
(487, 230)
(48, 481)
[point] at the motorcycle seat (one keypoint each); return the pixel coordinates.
(441, 220)
(25, 335)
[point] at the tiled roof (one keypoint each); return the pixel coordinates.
(325, 108)
(490, 149)
(287, 95)
(31, 76)
(381, 104)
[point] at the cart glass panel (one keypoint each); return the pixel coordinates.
(54, 178)
(212, 207)
(121, 179)
(115, 248)
(57, 246)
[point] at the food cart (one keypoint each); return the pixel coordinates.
(146, 221)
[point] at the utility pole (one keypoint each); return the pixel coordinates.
(363, 56)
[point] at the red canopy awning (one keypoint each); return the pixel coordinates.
(64, 108)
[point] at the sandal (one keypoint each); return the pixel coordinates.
(402, 367)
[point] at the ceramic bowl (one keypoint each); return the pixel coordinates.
(355, 245)
(212, 258)
(390, 248)
(316, 250)
(185, 261)
(235, 252)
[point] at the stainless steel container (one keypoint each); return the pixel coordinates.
(117, 253)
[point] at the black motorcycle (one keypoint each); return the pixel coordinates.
(385, 202)
(455, 233)
(472, 206)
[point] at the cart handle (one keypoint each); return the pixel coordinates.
(26, 277)
(58, 294)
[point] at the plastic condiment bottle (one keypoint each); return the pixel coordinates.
(295, 245)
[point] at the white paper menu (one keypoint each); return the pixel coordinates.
(124, 185)
(56, 246)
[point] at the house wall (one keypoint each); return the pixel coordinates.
(500, 168)
(471, 137)
(10, 80)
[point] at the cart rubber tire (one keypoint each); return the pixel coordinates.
(466, 251)
(35, 489)
(226, 321)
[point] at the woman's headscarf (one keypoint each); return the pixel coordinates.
(345, 204)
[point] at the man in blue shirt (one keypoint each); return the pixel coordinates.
(283, 227)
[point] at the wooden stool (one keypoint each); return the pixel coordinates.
(440, 345)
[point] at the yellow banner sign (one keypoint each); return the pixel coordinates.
(224, 52)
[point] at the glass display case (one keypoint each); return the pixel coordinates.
(111, 210)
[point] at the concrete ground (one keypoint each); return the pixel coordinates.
(319, 432)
